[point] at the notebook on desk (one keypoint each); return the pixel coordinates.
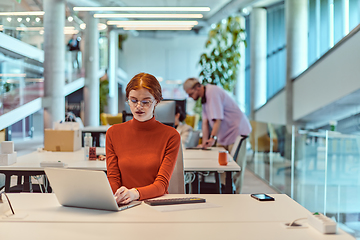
(84, 189)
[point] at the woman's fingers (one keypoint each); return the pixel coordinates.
(121, 194)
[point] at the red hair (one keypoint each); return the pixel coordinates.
(147, 81)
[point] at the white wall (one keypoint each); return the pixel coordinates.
(334, 77)
(273, 111)
(170, 58)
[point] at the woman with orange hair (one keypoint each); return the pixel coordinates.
(141, 153)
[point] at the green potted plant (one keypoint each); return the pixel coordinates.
(220, 63)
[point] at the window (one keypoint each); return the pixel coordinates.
(276, 50)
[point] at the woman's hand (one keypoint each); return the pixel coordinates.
(125, 196)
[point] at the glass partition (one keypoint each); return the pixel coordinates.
(320, 170)
(21, 81)
(271, 155)
(309, 170)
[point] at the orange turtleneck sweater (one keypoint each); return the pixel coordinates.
(141, 155)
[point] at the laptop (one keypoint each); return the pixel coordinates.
(84, 189)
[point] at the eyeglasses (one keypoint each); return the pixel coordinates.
(193, 90)
(143, 103)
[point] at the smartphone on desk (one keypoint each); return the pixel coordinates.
(262, 197)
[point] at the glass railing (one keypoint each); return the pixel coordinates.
(319, 170)
(17, 91)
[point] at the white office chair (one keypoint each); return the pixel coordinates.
(238, 177)
(235, 149)
(177, 183)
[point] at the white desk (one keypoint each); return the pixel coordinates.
(236, 217)
(29, 164)
(197, 160)
(211, 153)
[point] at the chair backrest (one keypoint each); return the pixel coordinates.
(192, 120)
(241, 161)
(125, 115)
(111, 119)
(194, 139)
(103, 119)
(236, 147)
(177, 183)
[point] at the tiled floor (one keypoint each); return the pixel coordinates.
(252, 184)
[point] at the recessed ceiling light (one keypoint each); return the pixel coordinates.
(128, 23)
(154, 26)
(31, 13)
(150, 28)
(70, 28)
(101, 26)
(27, 19)
(144, 9)
(105, 15)
(30, 28)
(37, 19)
(12, 74)
(70, 18)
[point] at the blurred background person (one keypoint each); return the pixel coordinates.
(74, 48)
(184, 130)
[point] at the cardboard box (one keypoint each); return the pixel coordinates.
(2, 135)
(8, 159)
(62, 140)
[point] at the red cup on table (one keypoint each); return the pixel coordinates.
(223, 157)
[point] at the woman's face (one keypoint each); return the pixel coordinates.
(142, 104)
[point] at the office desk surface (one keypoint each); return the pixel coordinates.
(44, 207)
(238, 217)
(209, 165)
(163, 231)
(31, 161)
(212, 153)
(75, 159)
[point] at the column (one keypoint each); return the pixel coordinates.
(113, 105)
(240, 83)
(91, 59)
(296, 16)
(54, 62)
(258, 59)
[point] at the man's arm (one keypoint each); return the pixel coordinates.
(205, 132)
(213, 136)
